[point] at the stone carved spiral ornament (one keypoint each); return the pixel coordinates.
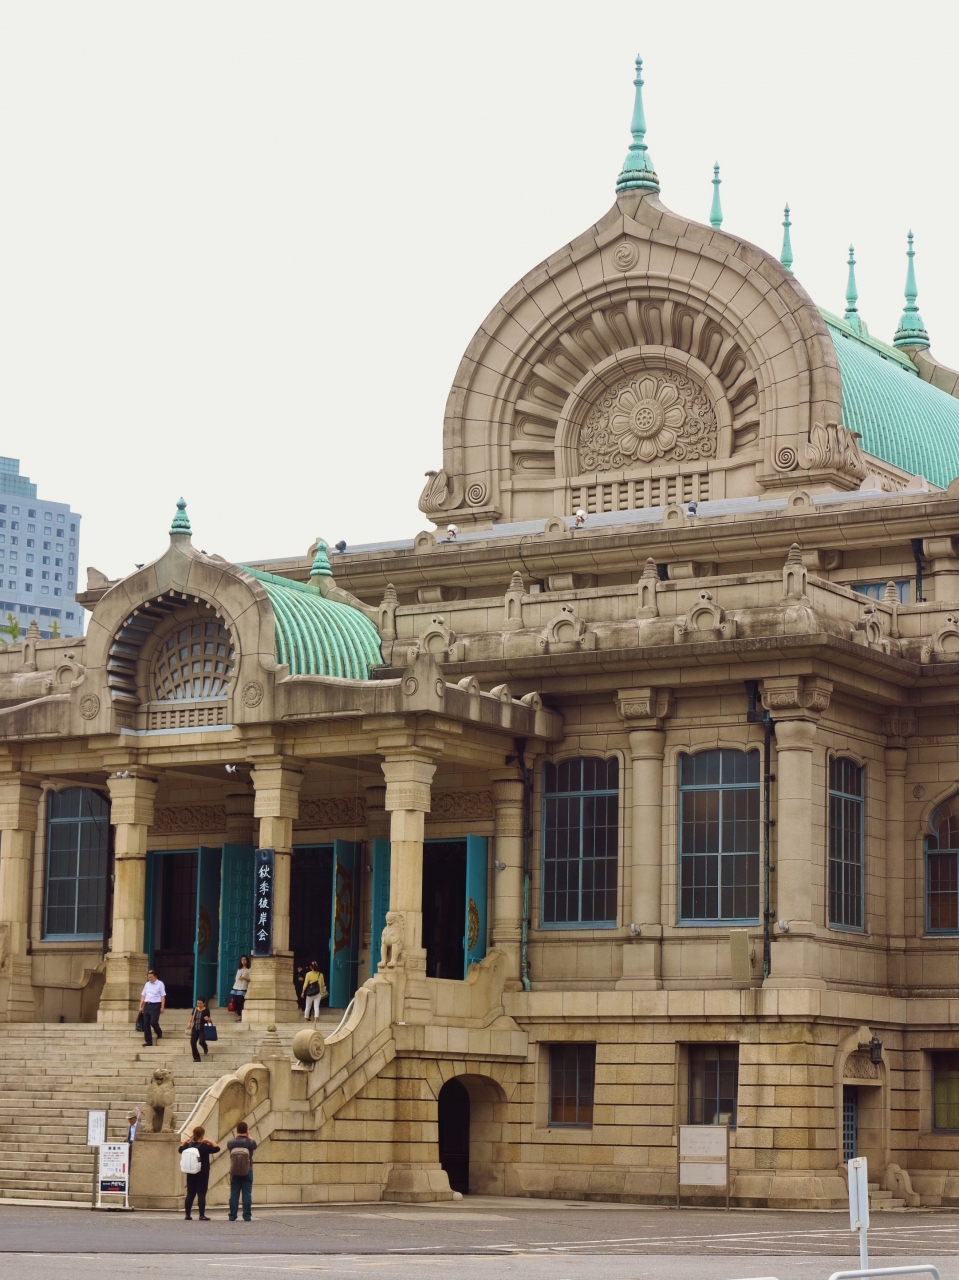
(646, 416)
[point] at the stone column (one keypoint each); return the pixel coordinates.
(800, 859)
(377, 828)
(896, 728)
(276, 787)
(644, 711)
(508, 878)
(20, 795)
(132, 794)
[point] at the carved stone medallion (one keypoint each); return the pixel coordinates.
(648, 415)
(90, 706)
(252, 694)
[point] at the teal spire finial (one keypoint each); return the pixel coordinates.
(911, 331)
(638, 173)
(181, 521)
(852, 296)
(716, 212)
(321, 562)
(786, 257)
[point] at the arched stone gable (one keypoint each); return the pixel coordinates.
(651, 360)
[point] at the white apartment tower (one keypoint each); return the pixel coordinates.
(39, 554)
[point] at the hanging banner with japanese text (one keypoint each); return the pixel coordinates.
(263, 903)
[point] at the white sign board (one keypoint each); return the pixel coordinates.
(702, 1157)
(705, 1141)
(114, 1177)
(96, 1128)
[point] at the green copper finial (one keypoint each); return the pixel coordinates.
(638, 173)
(321, 562)
(852, 297)
(786, 257)
(911, 331)
(716, 212)
(181, 521)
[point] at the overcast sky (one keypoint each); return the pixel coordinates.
(245, 245)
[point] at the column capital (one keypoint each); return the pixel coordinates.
(409, 775)
(132, 792)
(898, 726)
(795, 735)
(647, 744)
(508, 792)
(19, 801)
(276, 787)
(645, 707)
(796, 697)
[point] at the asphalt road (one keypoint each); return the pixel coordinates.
(476, 1239)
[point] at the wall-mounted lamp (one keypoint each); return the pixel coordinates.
(875, 1050)
(635, 930)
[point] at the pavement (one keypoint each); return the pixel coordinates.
(479, 1238)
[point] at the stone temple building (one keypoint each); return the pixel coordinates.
(626, 799)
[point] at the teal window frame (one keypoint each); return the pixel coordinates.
(592, 819)
(696, 819)
(845, 860)
(74, 843)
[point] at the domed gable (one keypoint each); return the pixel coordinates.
(316, 636)
(901, 418)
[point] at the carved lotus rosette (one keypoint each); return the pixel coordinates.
(646, 416)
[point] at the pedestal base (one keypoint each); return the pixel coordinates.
(155, 1178)
(417, 1183)
(642, 965)
(16, 991)
(125, 976)
(271, 997)
(796, 960)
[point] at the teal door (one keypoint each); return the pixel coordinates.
(207, 945)
(381, 899)
(236, 914)
(149, 907)
(477, 872)
(343, 935)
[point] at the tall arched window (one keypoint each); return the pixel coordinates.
(78, 845)
(942, 869)
(719, 837)
(845, 844)
(580, 842)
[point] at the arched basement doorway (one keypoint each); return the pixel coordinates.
(454, 1134)
(473, 1134)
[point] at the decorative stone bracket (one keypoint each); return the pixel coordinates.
(645, 707)
(796, 697)
(706, 620)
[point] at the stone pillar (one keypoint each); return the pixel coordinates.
(644, 711)
(941, 580)
(800, 858)
(896, 728)
(132, 793)
(276, 787)
(20, 795)
(508, 878)
(377, 828)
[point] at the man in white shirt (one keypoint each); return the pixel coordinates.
(152, 1004)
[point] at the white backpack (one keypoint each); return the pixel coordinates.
(190, 1161)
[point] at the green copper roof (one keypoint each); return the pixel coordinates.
(316, 636)
(901, 418)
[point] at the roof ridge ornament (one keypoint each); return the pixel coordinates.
(638, 173)
(911, 331)
(852, 296)
(181, 521)
(321, 566)
(716, 212)
(786, 256)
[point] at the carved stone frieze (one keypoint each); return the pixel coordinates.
(446, 806)
(332, 811)
(189, 817)
(656, 413)
(859, 1066)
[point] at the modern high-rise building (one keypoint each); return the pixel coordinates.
(39, 550)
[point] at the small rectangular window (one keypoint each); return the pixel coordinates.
(945, 1091)
(713, 1083)
(845, 844)
(572, 1074)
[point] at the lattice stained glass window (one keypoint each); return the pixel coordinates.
(194, 661)
(580, 841)
(78, 844)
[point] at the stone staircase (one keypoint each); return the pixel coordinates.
(883, 1199)
(52, 1074)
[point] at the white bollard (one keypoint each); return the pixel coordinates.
(859, 1206)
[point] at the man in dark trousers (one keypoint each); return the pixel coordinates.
(152, 1004)
(241, 1150)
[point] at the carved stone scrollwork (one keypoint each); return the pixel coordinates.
(833, 447)
(332, 811)
(191, 817)
(796, 697)
(944, 645)
(859, 1066)
(447, 806)
(653, 414)
(645, 707)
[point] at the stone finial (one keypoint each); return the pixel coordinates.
(716, 212)
(386, 613)
(321, 561)
(852, 297)
(513, 603)
(648, 586)
(911, 331)
(891, 594)
(786, 256)
(794, 574)
(638, 173)
(181, 521)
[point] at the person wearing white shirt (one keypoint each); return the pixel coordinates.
(152, 1004)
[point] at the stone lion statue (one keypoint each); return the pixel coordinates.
(161, 1099)
(391, 944)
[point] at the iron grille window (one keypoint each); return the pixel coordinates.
(580, 842)
(713, 1083)
(945, 1091)
(572, 1075)
(78, 844)
(845, 844)
(719, 836)
(850, 1122)
(942, 869)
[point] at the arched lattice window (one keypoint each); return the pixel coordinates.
(942, 869)
(195, 660)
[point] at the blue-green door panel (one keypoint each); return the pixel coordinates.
(343, 933)
(149, 907)
(236, 914)
(206, 947)
(477, 876)
(381, 899)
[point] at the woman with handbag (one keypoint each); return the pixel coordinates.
(199, 1021)
(196, 1166)
(241, 984)
(314, 990)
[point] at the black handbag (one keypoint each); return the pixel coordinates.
(140, 1023)
(209, 1032)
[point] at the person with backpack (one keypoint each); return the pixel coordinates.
(195, 1163)
(199, 1021)
(314, 990)
(241, 1150)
